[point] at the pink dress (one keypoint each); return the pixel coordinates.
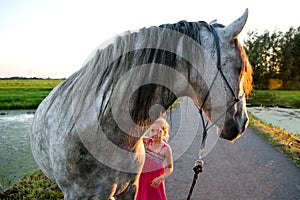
(153, 167)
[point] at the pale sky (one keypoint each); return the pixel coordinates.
(53, 38)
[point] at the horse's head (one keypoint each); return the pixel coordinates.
(236, 74)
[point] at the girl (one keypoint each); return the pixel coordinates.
(151, 181)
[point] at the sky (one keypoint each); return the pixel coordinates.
(53, 38)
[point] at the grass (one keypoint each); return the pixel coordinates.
(28, 94)
(272, 98)
(24, 94)
(33, 186)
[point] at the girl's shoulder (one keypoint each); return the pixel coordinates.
(166, 145)
(166, 149)
(147, 140)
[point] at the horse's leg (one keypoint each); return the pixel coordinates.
(128, 193)
(113, 191)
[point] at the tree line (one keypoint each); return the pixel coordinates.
(275, 58)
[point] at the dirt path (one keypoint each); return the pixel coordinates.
(249, 168)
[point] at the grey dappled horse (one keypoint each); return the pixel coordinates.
(86, 132)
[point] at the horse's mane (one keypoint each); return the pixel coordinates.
(142, 98)
(191, 29)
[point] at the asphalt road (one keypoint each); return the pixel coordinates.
(248, 168)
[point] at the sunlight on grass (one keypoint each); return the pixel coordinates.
(285, 142)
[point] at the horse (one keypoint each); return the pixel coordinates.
(86, 134)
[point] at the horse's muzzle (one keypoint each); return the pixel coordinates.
(233, 130)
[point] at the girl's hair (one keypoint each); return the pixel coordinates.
(165, 127)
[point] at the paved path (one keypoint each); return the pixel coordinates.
(247, 169)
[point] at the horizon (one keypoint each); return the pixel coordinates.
(30, 78)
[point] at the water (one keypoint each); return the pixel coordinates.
(15, 152)
(285, 118)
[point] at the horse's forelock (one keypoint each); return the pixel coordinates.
(247, 71)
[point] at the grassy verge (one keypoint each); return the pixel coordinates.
(284, 141)
(33, 186)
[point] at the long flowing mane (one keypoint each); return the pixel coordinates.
(106, 73)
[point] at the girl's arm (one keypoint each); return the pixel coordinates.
(169, 161)
(168, 171)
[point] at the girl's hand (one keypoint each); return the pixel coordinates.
(156, 182)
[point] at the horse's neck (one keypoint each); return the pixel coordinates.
(168, 84)
(149, 80)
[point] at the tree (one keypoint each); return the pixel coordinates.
(290, 70)
(274, 56)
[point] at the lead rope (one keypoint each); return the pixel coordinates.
(199, 162)
(198, 168)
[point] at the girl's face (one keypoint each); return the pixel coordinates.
(156, 132)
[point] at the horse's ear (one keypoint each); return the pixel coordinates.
(233, 29)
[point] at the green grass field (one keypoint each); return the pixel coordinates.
(271, 98)
(28, 94)
(24, 94)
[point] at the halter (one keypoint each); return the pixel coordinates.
(199, 162)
